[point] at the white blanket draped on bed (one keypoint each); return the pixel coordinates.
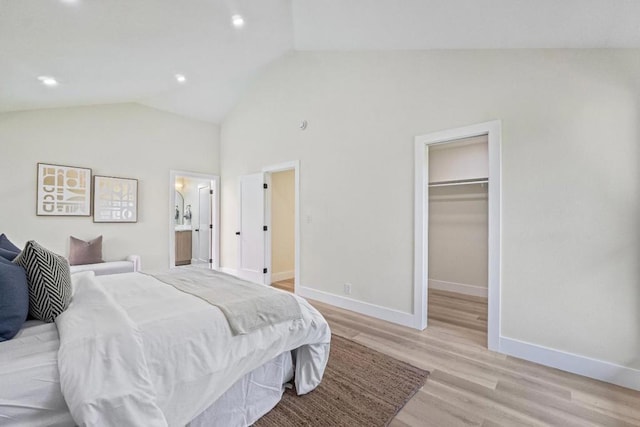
(133, 362)
(247, 306)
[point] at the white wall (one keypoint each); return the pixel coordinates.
(571, 177)
(125, 140)
(283, 208)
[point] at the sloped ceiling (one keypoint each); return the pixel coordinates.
(108, 51)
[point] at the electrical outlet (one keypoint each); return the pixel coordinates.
(347, 288)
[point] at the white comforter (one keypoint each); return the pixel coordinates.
(134, 351)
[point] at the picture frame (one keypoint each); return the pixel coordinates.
(63, 190)
(115, 199)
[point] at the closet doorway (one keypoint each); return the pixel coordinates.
(458, 229)
(457, 261)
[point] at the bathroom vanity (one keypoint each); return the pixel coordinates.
(183, 247)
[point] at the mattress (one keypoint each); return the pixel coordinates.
(252, 368)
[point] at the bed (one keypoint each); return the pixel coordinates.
(132, 350)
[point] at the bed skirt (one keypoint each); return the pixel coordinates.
(251, 397)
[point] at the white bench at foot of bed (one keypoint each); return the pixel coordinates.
(129, 265)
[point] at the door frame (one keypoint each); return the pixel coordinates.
(493, 130)
(215, 209)
(268, 170)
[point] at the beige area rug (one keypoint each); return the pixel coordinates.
(361, 387)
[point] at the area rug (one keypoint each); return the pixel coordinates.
(361, 387)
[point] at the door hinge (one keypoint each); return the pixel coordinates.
(265, 186)
(211, 226)
(211, 192)
(210, 260)
(237, 233)
(264, 228)
(264, 270)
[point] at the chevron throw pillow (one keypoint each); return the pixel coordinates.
(49, 281)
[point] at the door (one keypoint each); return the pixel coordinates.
(205, 225)
(251, 262)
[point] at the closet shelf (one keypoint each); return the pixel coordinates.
(459, 182)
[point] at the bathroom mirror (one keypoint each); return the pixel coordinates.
(179, 218)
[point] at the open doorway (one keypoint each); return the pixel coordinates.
(469, 193)
(282, 212)
(269, 226)
(457, 224)
(194, 223)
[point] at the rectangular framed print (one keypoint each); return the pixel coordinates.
(115, 199)
(63, 191)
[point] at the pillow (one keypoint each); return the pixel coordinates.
(14, 299)
(81, 252)
(7, 254)
(48, 279)
(5, 243)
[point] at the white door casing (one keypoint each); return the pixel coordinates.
(268, 170)
(493, 131)
(251, 235)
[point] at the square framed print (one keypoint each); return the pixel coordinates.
(63, 190)
(115, 199)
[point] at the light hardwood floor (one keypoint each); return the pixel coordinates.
(285, 285)
(471, 386)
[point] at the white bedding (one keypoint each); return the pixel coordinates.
(191, 356)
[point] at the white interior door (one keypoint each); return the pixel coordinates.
(251, 262)
(205, 225)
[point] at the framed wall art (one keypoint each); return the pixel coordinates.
(115, 199)
(63, 191)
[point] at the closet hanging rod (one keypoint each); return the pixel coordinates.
(459, 182)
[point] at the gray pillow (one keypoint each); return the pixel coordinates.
(14, 299)
(81, 252)
(49, 281)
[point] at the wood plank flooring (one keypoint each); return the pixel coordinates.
(285, 285)
(471, 386)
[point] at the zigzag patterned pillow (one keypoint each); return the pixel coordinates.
(49, 281)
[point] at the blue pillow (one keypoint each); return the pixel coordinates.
(5, 243)
(7, 254)
(14, 299)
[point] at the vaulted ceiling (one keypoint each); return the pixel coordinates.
(109, 51)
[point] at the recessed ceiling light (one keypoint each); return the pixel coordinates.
(238, 21)
(48, 81)
(181, 78)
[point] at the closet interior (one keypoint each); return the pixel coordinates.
(458, 233)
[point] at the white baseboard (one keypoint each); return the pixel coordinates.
(284, 275)
(460, 288)
(581, 365)
(379, 312)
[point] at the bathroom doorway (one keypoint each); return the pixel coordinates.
(194, 220)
